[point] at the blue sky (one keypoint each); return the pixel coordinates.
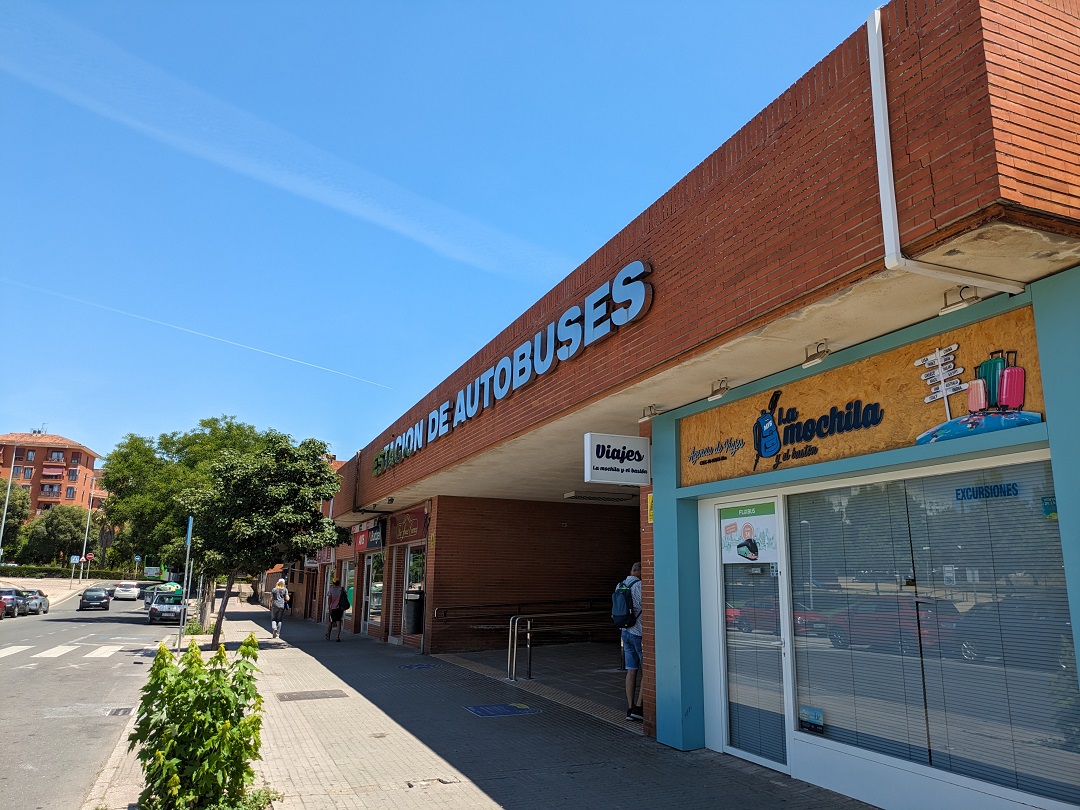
(307, 215)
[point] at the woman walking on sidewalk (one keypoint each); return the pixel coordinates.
(279, 603)
(338, 602)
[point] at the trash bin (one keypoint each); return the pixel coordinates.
(414, 612)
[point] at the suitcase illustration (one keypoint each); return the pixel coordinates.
(990, 370)
(1011, 391)
(976, 396)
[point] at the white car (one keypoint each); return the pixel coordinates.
(126, 590)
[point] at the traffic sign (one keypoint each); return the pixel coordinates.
(89, 556)
(74, 559)
(138, 558)
(82, 560)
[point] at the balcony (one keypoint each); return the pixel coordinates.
(51, 494)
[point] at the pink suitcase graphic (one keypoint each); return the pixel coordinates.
(976, 396)
(1011, 394)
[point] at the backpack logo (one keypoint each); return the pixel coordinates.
(622, 606)
(766, 436)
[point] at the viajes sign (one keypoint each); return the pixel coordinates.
(617, 459)
(611, 306)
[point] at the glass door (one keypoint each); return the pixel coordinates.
(754, 634)
(371, 611)
(415, 571)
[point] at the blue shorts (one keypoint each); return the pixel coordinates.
(631, 649)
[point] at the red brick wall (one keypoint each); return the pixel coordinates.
(1033, 59)
(648, 610)
(786, 211)
(489, 551)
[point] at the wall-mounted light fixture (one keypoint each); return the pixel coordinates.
(719, 388)
(389, 500)
(963, 296)
(648, 413)
(819, 353)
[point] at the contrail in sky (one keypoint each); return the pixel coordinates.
(58, 56)
(189, 331)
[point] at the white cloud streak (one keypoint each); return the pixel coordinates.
(168, 325)
(55, 55)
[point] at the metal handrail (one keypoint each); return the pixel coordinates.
(497, 608)
(515, 625)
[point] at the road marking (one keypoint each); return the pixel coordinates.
(55, 652)
(13, 650)
(103, 652)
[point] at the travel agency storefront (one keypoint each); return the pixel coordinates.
(855, 567)
(862, 576)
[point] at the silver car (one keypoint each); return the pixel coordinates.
(36, 600)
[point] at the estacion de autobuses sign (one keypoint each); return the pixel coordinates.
(614, 304)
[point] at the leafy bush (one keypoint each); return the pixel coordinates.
(198, 730)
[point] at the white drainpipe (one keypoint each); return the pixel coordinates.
(894, 257)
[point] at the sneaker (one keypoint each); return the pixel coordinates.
(630, 715)
(635, 714)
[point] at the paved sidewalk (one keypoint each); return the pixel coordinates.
(359, 724)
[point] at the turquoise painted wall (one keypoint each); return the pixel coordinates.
(1056, 303)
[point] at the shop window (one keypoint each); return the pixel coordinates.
(375, 587)
(948, 640)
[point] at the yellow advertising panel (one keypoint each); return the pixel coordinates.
(974, 379)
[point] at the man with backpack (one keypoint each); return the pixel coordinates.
(626, 612)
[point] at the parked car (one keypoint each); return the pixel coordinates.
(764, 614)
(1023, 631)
(126, 590)
(167, 606)
(153, 590)
(902, 623)
(37, 601)
(94, 598)
(733, 619)
(14, 602)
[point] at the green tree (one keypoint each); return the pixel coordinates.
(145, 478)
(18, 510)
(54, 535)
(261, 507)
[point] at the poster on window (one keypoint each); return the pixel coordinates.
(748, 533)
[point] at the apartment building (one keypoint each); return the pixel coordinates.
(53, 469)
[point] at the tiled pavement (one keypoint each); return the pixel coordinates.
(379, 726)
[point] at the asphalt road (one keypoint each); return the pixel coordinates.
(69, 681)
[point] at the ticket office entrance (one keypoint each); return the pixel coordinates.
(921, 620)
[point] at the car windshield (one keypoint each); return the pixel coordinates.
(126, 585)
(168, 599)
(95, 592)
(7, 591)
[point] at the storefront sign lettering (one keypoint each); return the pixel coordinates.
(614, 304)
(993, 491)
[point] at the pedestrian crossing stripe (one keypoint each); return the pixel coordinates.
(55, 652)
(103, 652)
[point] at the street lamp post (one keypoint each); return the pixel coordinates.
(808, 535)
(86, 536)
(7, 497)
